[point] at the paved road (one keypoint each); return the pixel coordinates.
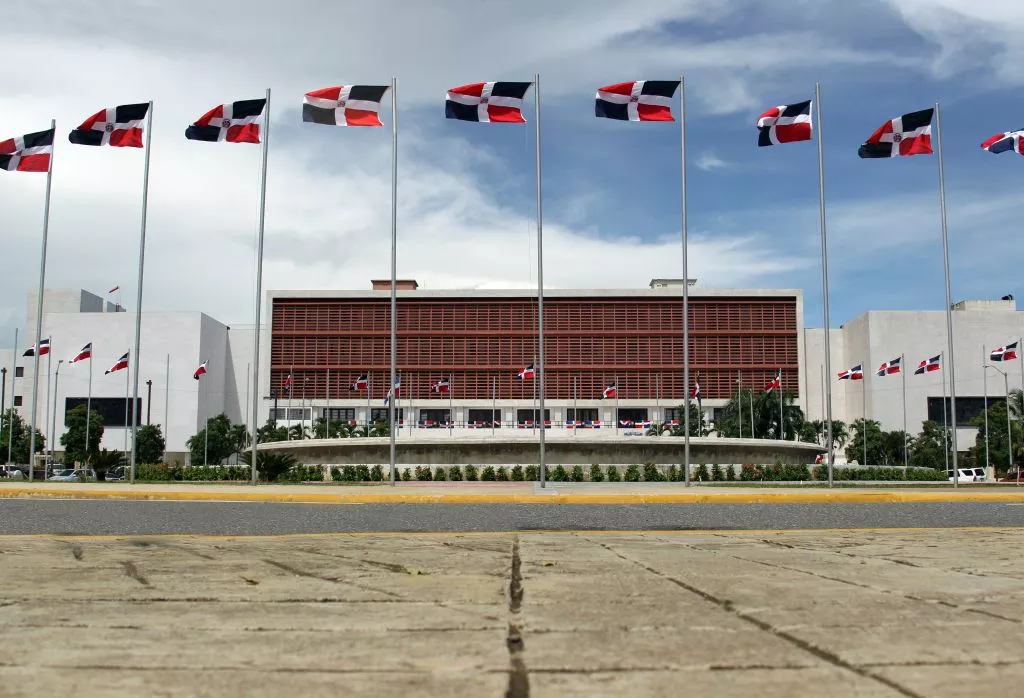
(844, 614)
(82, 517)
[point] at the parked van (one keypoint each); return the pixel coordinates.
(968, 475)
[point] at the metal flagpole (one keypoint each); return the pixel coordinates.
(138, 298)
(657, 397)
(575, 409)
(245, 413)
(533, 412)
(288, 407)
(14, 371)
(369, 389)
(451, 410)
(984, 383)
(127, 398)
(37, 335)
(949, 299)
(206, 427)
(824, 286)
(864, 417)
(53, 430)
(903, 376)
(394, 272)
(686, 282)
(540, 277)
(616, 417)
(259, 285)
(88, 410)
(46, 424)
(167, 412)
(945, 420)
(327, 409)
(739, 399)
(782, 410)
(494, 400)
(752, 434)
(1009, 431)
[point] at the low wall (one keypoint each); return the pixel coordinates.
(460, 450)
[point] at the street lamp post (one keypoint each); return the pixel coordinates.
(53, 430)
(149, 399)
(3, 397)
(1009, 432)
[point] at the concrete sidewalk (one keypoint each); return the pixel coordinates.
(511, 493)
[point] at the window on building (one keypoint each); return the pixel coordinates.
(17, 400)
(113, 410)
(967, 408)
(629, 416)
(289, 414)
(19, 371)
(340, 414)
(382, 414)
(433, 417)
(588, 414)
(524, 416)
(483, 418)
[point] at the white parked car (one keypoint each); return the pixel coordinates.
(968, 475)
(64, 475)
(11, 471)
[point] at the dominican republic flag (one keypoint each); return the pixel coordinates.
(1002, 142)
(695, 392)
(888, 368)
(119, 364)
(28, 153)
(287, 387)
(639, 100)
(611, 391)
(396, 391)
(235, 123)
(1007, 353)
(787, 123)
(499, 102)
(854, 374)
(774, 384)
(120, 127)
(201, 371)
(362, 383)
(85, 353)
(441, 386)
(527, 372)
(929, 365)
(910, 134)
(344, 105)
(44, 348)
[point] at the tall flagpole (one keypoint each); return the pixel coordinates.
(167, 408)
(327, 410)
(88, 409)
(864, 417)
(827, 377)
(138, 299)
(46, 424)
(903, 376)
(394, 272)
(39, 315)
(984, 383)
(494, 400)
(782, 410)
(540, 278)
(945, 421)
(259, 284)
(14, 371)
(949, 299)
(686, 282)
(127, 398)
(369, 392)
(739, 399)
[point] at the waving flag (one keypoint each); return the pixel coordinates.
(854, 374)
(85, 353)
(28, 153)
(44, 348)
(890, 367)
(929, 365)
(201, 371)
(1002, 142)
(441, 386)
(362, 383)
(116, 288)
(910, 134)
(118, 365)
(695, 392)
(527, 372)
(287, 387)
(235, 123)
(610, 392)
(639, 100)
(498, 102)
(396, 391)
(788, 123)
(775, 383)
(1007, 353)
(344, 105)
(120, 127)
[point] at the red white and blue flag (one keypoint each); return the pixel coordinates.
(611, 391)
(929, 365)
(362, 383)
(910, 134)
(344, 105)
(1003, 142)
(527, 372)
(287, 387)
(236, 122)
(396, 391)
(120, 127)
(775, 383)
(487, 102)
(787, 123)
(28, 153)
(637, 100)
(1007, 353)
(119, 364)
(890, 367)
(441, 386)
(854, 374)
(201, 371)
(85, 353)
(44, 348)
(695, 392)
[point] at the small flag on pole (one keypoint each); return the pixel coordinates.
(910, 134)
(1007, 353)
(854, 374)
(774, 384)
(1004, 142)
(235, 123)
(201, 371)
(441, 386)
(487, 102)
(396, 391)
(44, 348)
(362, 383)
(118, 365)
(788, 123)
(695, 392)
(28, 153)
(638, 100)
(113, 290)
(526, 373)
(929, 365)
(344, 105)
(120, 127)
(610, 392)
(85, 353)
(888, 368)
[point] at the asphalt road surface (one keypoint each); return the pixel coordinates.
(83, 517)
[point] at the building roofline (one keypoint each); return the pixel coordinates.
(434, 294)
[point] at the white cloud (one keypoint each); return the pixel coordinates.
(708, 161)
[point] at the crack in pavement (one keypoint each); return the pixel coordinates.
(132, 571)
(518, 676)
(334, 580)
(797, 642)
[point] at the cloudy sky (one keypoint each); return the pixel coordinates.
(466, 203)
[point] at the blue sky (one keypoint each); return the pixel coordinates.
(466, 191)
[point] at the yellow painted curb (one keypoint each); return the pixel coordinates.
(696, 497)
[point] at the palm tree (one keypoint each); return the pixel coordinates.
(1016, 403)
(298, 432)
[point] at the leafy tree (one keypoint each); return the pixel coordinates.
(269, 465)
(22, 441)
(892, 447)
(221, 444)
(762, 409)
(149, 444)
(271, 432)
(855, 451)
(73, 440)
(298, 432)
(927, 450)
(699, 425)
(997, 446)
(240, 437)
(105, 460)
